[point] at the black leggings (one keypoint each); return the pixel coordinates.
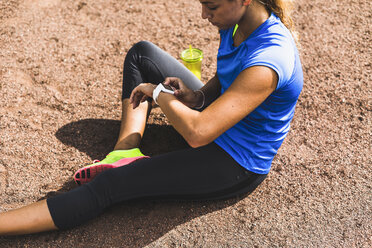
(147, 63)
(203, 173)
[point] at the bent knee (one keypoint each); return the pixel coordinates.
(143, 44)
(143, 47)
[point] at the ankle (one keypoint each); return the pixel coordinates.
(125, 146)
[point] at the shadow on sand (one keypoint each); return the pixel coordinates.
(129, 224)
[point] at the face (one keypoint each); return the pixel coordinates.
(223, 14)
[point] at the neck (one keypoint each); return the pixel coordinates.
(254, 16)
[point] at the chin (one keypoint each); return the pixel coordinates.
(219, 26)
(224, 27)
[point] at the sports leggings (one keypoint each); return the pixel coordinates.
(203, 173)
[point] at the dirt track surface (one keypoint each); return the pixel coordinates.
(60, 87)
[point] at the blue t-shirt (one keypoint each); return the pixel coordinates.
(254, 141)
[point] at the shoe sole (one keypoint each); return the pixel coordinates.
(86, 174)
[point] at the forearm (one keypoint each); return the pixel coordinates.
(186, 121)
(183, 118)
(178, 107)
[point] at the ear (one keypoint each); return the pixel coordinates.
(247, 2)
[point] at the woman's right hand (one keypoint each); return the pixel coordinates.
(184, 94)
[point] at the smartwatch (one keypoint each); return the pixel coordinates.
(158, 89)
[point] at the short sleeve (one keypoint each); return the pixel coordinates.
(278, 57)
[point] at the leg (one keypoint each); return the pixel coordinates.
(29, 219)
(202, 173)
(132, 127)
(146, 62)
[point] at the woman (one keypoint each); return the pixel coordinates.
(234, 124)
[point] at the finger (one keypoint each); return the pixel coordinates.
(144, 98)
(139, 97)
(166, 81)
(131, 97)
(134, 96)
(173, 82)
(169, 80)
(136, 99)
(134, 92)
(137, 104)
(177, 93)
(133, 102)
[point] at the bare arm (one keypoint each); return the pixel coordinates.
(193, 99)
(248, 91)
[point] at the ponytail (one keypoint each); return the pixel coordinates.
(282, 9)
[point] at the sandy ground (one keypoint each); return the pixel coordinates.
(60, 88)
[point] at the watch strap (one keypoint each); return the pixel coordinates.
(157, 90)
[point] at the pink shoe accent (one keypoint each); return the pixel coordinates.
(86, 174)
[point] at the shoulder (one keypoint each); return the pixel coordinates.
(274, 48)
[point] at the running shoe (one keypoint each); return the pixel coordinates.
(114, 159)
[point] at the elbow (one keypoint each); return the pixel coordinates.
(196, 140)
(194, 144)
(197, 134)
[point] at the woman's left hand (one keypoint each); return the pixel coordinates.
(141, 93)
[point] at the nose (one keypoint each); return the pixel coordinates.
(205, 13)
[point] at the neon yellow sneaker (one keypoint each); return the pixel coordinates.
(116, 155)
(113, 159)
